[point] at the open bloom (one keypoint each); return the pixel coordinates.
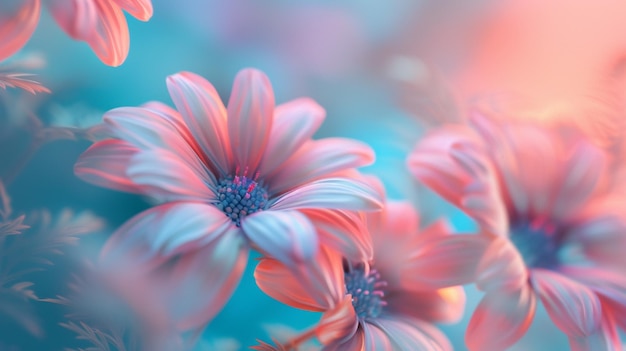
(549, 229)
(227, 178)
(368, 305)
(100, 23)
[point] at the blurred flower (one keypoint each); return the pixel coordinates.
(100, 23)
(550, 227)
(368, 304)
(224, 179)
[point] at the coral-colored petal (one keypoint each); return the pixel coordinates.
(109, 38)
(413, 334)
(376, 339)
(453, 162)
(343, 231)
(77, 18)
(105, 164)
(448, 261)
(250, 117)
(338, 324)
(320, 158)
(154, 126)
(140, 9)
(287, 236)
(202, 282)
(17, 26)
(501, 267)
(606, 338)
(333, 193)
(441, 306)
(295, 122)
(501, 318)
(197, 100)
(166, 230)
(582, 172)
(355, 343)
(165, 177)
(573, 307)
(316, 287)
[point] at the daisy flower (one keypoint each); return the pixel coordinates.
(550, 230)
(368, 305)
(100, 23)
(226, 179)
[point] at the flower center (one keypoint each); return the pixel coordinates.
(239, 196)
(538, 242)
(366, 288)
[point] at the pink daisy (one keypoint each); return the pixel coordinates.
(225, 179)
(368, 305)
(100, 23)
(550, 229)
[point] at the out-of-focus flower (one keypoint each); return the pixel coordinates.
(225, 180)
(11, 75)
(550, 228)
(368, 304)
(100, 23)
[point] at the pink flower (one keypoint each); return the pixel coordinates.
(225, 179)
(368, 305)
(100, 23)
(549, 229)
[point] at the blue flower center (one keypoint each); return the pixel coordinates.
(239, 196)
(366, 288)
(538, 243)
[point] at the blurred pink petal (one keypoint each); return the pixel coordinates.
(21, 81)
(166, 230)
(105, 164)
(573, 307)
(321, 158)
(501, 267)
(295, 122)
(338, 324)
(250, 117)
(511, 312)
(376, 338)
(288, 236)
(75, 17)
(205, 115)
(413, 334)
(140, 9)
(17, 25)
(443, 305)
(330, 193)
(449, 261)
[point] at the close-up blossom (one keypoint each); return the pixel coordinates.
(550, 230)
(99, 23)
(368, 305)
(226, 179)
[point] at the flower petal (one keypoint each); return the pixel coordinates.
(376, 339)
(448, 261)
(316, 287)
(201, 107)
(501, 318)
(250, 117)
(581, 174)
(356, 342)
(606, 338)
(140, 9)
(338, 324)
(501, 267)
(17, 26)
(453, 162)
(332, 193)
(166, 230)
(155, 126)
(413, 334)
(343, 231)
(573, 307)
(165, 177)
(109, 37)
(75, 17)
(295, 122)
(442, 306)
(105, 164)
(287, 236)
(320, 158)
